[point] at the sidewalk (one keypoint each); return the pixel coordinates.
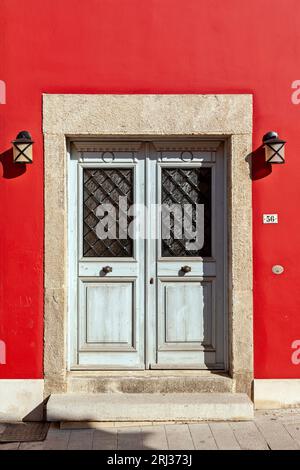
(276, 430)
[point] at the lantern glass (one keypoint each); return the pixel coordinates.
(274, 147)
(22, 152)
(274, 152)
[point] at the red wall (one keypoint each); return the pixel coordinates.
(154, 46)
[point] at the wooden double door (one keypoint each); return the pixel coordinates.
(147, 252)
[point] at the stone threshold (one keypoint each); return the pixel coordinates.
(149, 382)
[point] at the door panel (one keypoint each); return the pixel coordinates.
(181, 318)
(169, 268)
(108, 322)
(185, 323)
(118, 268)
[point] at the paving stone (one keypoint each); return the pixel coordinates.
(202, 437)
(179, 437)
(130, 438)
(294, 431)
(224, 436)
(81, 440)
(38, 445)
(57, 439)
(10, 446)
(276, 435)
(105, 439)
(154, 437)
(248, 436)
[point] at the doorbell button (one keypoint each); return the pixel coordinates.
(277, 269)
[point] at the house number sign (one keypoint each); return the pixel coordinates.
(270, 218)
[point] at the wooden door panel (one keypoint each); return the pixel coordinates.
(109, 320)
(186, 314)
(119, 269)
(174, 268)
(184, 322)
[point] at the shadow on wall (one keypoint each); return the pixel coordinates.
(10, 169)
(258, 167)
(39, 413)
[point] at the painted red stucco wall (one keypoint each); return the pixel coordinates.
(154, 46)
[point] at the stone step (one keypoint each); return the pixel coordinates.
(186, 382)
(149, 407)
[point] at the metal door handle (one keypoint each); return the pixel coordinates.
(186, 269)
(107, 269)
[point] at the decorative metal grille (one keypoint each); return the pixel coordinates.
(186, 186)
(105, 186)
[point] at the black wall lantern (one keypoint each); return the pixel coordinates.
(22, 147)
(274, 148)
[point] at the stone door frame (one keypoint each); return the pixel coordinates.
(67, 117)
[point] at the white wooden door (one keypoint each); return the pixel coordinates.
(107, 274)
(189, 311)
(131, 303)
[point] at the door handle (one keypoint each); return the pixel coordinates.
(107, 269)
(186, 269)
